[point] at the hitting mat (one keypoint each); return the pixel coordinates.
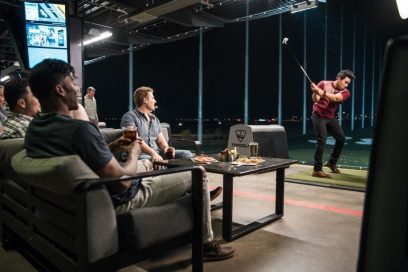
(348, 179)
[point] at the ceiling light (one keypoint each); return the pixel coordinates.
(102, 36)
(302, 6)
(403, 8)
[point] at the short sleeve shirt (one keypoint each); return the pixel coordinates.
(325, 108)
(148, 131)
(53, 134)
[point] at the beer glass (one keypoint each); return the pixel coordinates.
(253, 149)
(130, 132)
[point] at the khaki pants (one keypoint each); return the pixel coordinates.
(160, 190)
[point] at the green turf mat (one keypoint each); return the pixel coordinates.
(348, 178)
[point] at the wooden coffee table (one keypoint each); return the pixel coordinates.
(229, 171)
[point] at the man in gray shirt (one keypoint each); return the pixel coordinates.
(148, 127)
(154, 145)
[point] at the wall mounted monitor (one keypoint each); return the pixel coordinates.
(46, 32)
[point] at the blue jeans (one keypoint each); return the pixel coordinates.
(322, 127)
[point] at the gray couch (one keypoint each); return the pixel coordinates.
(60, 213)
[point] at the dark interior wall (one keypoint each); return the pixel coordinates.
(172, 69)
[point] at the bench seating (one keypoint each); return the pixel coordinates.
(60, 212)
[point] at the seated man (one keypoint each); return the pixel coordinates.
(148, 127)
(154, 145)
(54, 133)
(23, 107)
(3, 111)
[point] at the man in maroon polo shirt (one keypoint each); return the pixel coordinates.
(327, 95)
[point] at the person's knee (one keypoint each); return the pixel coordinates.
(183, 154)
(321, 139)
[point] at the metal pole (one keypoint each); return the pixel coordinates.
(341, 60)
(200, 88)
(325, 43)
(130, 77)
(246, 99)
(280, 73)
(354, 70)
(305, 66)
(364, 77)
(373, 84)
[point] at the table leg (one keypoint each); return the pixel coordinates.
(227, 207)
(280, 189)
(227, 232)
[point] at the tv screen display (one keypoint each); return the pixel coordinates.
(46, 32)
(45, 12)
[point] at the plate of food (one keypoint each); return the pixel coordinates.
(204, 159)
(248, 161)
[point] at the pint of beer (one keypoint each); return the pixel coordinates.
(130, 132)
(253, 149)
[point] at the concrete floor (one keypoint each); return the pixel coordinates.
(319, 232)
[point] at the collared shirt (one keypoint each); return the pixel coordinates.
(3, 117)
(90, 107)
(148, 131)
(15, 125)
(325, 108)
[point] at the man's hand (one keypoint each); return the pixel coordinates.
(170, 152)
(314, 88)
(317, 93)
(117, 145)
(134, 148)
(156, 157)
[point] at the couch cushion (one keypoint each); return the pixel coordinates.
(145, 227)
(111, 134)
(58, 174)
(8, 148)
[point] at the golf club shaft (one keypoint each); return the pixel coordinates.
(301, 67)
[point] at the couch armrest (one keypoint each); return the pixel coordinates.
(197, 173)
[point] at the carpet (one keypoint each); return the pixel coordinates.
(347, 179)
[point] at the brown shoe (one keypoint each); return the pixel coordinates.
(215, 193)
(320, 174)
(332, 167)
(214, 252)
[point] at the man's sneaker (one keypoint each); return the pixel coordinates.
(214, 252)
(332, 167)
(320, 174)
(215, 193)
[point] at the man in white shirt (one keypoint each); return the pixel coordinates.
(90, 106)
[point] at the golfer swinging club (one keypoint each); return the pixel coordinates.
(327, 95)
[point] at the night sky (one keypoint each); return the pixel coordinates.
(172, 69)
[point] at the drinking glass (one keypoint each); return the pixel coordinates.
(130, 132)
(253, 149)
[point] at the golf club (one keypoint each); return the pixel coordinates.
(285, 42)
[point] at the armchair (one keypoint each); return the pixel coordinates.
(192, 145)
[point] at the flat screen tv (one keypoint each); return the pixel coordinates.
(46, 31)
